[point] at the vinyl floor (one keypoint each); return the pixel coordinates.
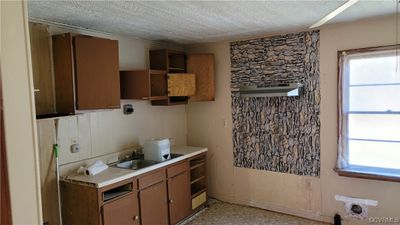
(221, 213)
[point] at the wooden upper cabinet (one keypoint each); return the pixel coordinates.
(97, 73)
(202, 65)
(63, 73)
(144, 84)
(168, 60)
(41, 68)
(189, 76)
(86, 73)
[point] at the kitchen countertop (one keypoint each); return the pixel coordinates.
(113, 174)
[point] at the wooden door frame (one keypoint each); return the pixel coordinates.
(5, 205)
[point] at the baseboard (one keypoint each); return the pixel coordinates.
(275, 208)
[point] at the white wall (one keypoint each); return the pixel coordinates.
(210, 124)
(108, 131)
(19, 115)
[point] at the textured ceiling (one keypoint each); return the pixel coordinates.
(199, 21)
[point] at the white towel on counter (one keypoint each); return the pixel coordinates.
(93, 169)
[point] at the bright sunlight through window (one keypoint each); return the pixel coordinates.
(371, 94)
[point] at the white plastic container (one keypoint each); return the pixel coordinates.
(157, 149)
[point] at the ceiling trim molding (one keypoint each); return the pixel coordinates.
(66, 26)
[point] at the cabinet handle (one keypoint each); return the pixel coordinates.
(170, 201)
(136, 218)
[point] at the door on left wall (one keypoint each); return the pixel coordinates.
(5, 205)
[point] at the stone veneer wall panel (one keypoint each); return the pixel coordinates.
(280, 134)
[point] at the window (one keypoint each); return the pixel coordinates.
(369, 104)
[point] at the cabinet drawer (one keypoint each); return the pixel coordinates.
(150, 179)
(117, 190)
(177, 169)
(199, 200)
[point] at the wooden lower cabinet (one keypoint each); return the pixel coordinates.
(123, 211)
(154, 205)
(179, 197)
(160, 197)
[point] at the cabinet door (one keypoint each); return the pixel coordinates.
(97, 73)
(124, 211)
(203, 66)
(181, 84)
(63, 73)
(154, 205)
(179, 197)
(41, 68)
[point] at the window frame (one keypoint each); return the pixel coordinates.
(342, 167)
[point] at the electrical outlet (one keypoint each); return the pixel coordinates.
(75, 148)
(128, 109)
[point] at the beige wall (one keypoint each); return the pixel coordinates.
(19, 114)
(210, 124)
(107, 131)
(374, 32)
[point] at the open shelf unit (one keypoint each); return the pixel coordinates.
(144, 85)
(173, 62)
(168, 60)
(117, 192)
(198, 181)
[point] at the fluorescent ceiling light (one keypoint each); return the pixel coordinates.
(334, 13)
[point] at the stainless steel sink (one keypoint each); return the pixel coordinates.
(174, 155)
(135, 164)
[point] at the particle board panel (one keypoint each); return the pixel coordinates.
(181, 84)
(199, 200)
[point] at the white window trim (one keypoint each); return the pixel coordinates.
(342, 166)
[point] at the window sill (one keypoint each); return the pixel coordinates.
(370, 173)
